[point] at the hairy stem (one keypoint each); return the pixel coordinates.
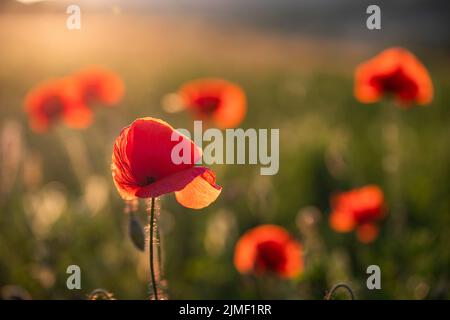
(159, 253)
(151, 227)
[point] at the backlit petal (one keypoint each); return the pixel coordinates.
(201, 192)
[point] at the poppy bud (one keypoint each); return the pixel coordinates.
(136, 232)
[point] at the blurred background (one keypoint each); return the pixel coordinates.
(295, 60)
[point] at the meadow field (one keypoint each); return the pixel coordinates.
(59, 206)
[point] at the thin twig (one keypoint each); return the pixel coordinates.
(329, 295)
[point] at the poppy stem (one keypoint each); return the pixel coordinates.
(394, 174)
(151, 228)
(159, 254)
(329, 295)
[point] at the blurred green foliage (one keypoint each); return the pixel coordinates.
(59, 207)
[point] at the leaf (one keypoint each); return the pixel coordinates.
(136, 232)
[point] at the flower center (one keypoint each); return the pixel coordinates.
(397, 83)
(270, 257)
(91, 91)
(52, 107)
(207, 104)
(367, 215)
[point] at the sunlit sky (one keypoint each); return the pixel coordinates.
(323, 17)
(29, 1)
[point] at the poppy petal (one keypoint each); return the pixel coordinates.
(268, 248)
(98, 84)
(294, 261)
(143, 165)
(245, 253)
(367, 233)
(342, 221)
(174, 182)
(201, 192)
(54, 100)
(79, 117)
(394, 71)
(143, 154)
(215, 99)
(233, 110)
(149, 149)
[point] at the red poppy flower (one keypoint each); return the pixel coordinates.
(56, 100)
(142, 165)
(396, 72)
(218, 100)
(359, 208)
(268, 249)
(98, 85)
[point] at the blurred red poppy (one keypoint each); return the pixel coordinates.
(56, 100)
(99, 85)
(268, 249)
(142, 165)
(396, 72)
(217, 100)
(359, 209)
